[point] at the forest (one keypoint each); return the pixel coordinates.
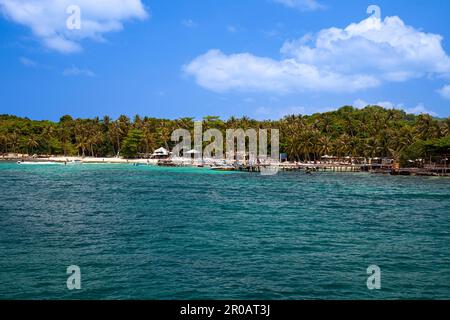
(369, 132)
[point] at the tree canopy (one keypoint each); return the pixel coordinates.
(369, 132)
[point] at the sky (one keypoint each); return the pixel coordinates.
(259, 58)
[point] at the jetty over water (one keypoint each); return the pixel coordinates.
(375, 169)
(381, 167)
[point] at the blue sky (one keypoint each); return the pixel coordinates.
(260, 58)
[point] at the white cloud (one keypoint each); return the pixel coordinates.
(419, 109)
(275, 114)
(304, 5)
(362, 55)
(390, 105)
(246, 72)
(47, 19)
(360, 103)
(28, 62)
(445, 92)
(189, 23)
(75, 72)
(231, 29)
(389, 48)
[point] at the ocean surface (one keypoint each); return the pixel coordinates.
(182, 233)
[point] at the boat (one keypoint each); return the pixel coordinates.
(74, 162)
(35, 163)
(166, 163)
(223, 168)
(269, 170)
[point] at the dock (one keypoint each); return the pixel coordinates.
(374, 169)
(301, 167)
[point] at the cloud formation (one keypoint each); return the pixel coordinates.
(245, 72)
(304, 5)
(28, 62)
(445, 92)
(47, 19)
(419, 109)
(76, 72)
(360, 103)
(363, 55)
(189, 23)
(268, 113)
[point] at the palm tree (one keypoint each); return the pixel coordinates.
(120, 130)
(446, 127)
(82, 144)
(325, 145)
(427, 127)
(292, 129)
(81, 131)
(343, 145)
(47, 134)
(13, 140)
(371, 147)
(370, 132)
(95, 139)
(3, 143)
(164, 133)
(65, 132)
(32, 143)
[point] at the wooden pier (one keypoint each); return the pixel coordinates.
(375, 169)
(302, 167)
(435, 171)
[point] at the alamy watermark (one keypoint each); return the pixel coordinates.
(74, 279)
(374, 280)
(249, 146)
(73, 22)
(375, 11)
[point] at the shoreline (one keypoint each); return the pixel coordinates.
(76, 159)
(285, 166)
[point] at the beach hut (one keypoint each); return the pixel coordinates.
(160, 153)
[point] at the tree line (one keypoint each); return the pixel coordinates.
(370, 132)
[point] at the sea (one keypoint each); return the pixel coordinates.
(148, 232)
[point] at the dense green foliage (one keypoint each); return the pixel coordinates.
(132, 143)
(369, 132)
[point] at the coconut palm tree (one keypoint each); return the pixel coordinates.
(47, 135)
(118, 131)
(32, 143)
(446, 127)
(325, 145)
(164, 132)
(3, 142)
(343, 145)
(13, 140)
(427, 127)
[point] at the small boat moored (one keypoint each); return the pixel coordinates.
(35, 163)
(223, 168)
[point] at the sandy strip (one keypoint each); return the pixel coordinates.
(86, 160)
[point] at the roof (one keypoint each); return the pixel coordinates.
(161, 151)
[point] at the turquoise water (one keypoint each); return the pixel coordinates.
(170, 233)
